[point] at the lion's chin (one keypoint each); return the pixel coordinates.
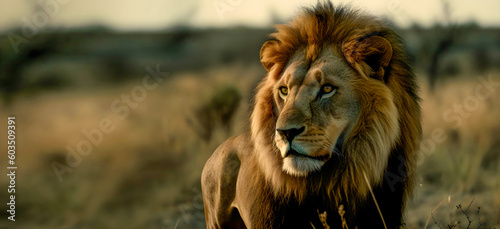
(301, 166)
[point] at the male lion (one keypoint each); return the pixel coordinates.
(336, 121)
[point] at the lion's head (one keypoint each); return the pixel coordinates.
(338, 98)
(316, 109)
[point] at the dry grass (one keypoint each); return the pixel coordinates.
(466, 165)
(146, 173)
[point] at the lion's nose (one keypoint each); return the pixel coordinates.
(289, 134)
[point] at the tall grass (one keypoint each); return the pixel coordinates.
(465, 165)
(146, 173)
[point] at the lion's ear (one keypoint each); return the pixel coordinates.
(266, 53)
(370, 55)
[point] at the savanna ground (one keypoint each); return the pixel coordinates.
(145, 173)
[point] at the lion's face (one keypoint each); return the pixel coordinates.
(316, 109)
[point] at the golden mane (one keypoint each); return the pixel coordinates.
(390, 114)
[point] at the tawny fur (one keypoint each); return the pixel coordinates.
(382, 143)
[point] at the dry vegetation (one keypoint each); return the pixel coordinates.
(146, 173)
(463, 169)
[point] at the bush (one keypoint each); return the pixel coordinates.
(219, 111)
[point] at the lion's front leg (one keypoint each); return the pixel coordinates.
(219, 187)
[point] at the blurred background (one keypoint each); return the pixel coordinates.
(118, 105)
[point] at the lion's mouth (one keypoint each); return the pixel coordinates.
(294, 153)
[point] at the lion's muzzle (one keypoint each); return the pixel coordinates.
(290, 134)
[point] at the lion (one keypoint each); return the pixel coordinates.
(336, 124)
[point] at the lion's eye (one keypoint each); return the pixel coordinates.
(284, 90)
(327, 90)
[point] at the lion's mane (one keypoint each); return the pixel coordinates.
(385, 137)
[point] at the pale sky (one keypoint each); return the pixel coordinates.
(159, 14)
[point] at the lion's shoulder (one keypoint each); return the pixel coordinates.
(233, 149)
(224, 163)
